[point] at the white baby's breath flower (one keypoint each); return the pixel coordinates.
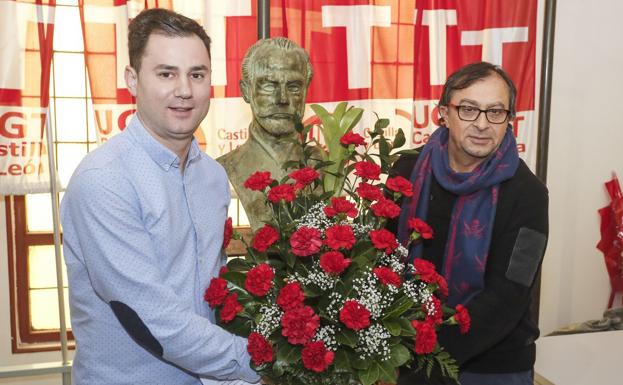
(374, 342)
(370, 296)
(316, 276)
(326, 334)
(315, 218)
(270, 319)
(418, 291)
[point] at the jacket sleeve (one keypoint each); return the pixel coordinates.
(103, 229)
(515, 256)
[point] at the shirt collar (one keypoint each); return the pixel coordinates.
(161, 155)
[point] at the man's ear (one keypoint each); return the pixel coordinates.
(244, 90)
(443, 111)
(131, 79)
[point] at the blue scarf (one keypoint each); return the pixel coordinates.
(471, 224)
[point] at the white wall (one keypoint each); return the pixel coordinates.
(585, 146)
(6, 357)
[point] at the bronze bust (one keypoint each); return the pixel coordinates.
(275, 75)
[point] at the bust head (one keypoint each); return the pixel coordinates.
(275, 75)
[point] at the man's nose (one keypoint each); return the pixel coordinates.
(182, 88)
(481, 122)
(282, 95)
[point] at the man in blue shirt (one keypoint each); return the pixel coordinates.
(143, 220)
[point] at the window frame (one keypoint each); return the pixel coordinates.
(24, 339)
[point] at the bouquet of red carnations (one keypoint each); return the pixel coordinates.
(325, 294)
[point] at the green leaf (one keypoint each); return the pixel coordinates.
(387, 372)
(350, 119)
(370, 375)
(393, 326)
(400, 355)
(235, 278)
(288, 353)
(399, 306)
(342, 361)
(239, 264)
(411, 151)
(279, 368)
(399, 139)
(339, 110)
(347, 337)
(407, 329)
(380, 125)
(239, 325)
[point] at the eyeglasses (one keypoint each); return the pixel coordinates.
(471, 113)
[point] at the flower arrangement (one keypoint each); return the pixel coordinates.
(325, 294)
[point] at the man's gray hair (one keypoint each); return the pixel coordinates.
(264, 44)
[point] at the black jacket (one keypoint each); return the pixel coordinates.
(503, 329)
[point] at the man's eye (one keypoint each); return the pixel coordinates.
(197, 76)
(268, 87)
(165, 75)
(468, 109)
(495, 111)
(294, 88)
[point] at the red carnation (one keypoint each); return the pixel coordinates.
(258, 181)
(259, 280)
(383, 239)
(304, 177)
(340, 236)
(385, 208)
(231, 308)
(401, 185)
(216, 293)
(228, 231)
(443, 285)
(316, 357)
(421, 227)
(433, 311)
(352, 138)
(387, 276)
(299, 325)
(290, 296)
(425, 337)
(282, 191)
(222, 271)
(368, 170)
(340, 206)
(369, 191)
(259, 348)
(425, 270)
(354, 315)
(333, 262)
(264, 238)
(305, 241)
(462, 318)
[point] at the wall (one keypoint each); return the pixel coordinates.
(585, 146)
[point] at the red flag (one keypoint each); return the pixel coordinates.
(611, 243)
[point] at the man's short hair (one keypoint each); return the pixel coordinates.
(468, 75)
(164, 22)
(264, 44)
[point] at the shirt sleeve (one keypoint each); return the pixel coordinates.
(103, 229)
(497, 310)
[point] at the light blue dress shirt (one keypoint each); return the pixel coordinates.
(140, 234)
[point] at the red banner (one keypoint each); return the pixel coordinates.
(26, 41)
(390, 57)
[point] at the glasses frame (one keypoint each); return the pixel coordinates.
(458, 112)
